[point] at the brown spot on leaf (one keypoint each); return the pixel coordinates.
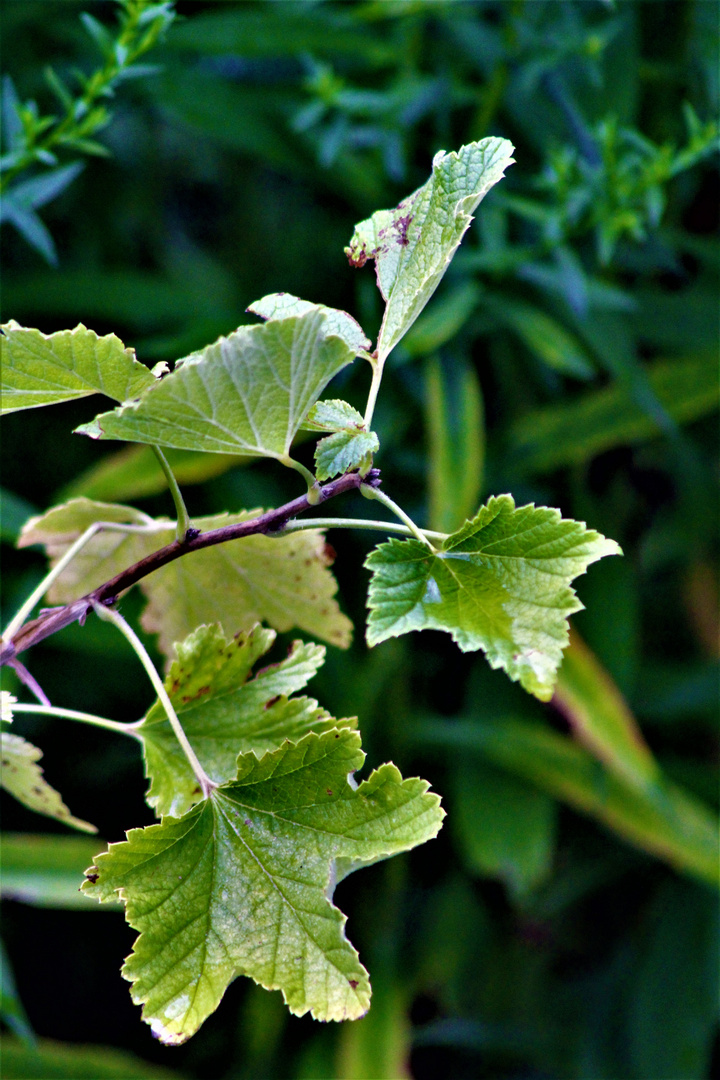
(401, 226)
(330, 554)
(273, 701)
(328, 791)
(353, 983)
(92, 874)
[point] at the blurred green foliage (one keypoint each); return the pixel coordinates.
(562, 924)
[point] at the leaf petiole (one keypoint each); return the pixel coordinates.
(354, 523)
(183, 518)
(82, 717)
(109, 615)
(380, 496)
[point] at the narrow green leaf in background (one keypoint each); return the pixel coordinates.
(47, 871)
(501, 583)
(254, 864)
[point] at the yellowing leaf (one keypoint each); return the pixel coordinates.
(43, 369)
(23, 778)
(283, 581)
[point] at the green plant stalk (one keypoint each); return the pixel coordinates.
(37, 594)
(376, 493)
(355, 523)
(310, 479)
(183, 518)
(98, 85)
(377, 375)
(109, 615)
(82, 717)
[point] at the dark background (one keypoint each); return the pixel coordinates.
(240, 169)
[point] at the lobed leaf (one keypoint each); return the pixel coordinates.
(413, 244)
(339, 323)
(22, 777)
(44, 369)
(243, 883)
(246, 394)
(284, 581)
(225, 713)
(351, 446)
(501, 583)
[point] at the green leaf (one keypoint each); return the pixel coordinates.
(14, 512)
(505, 828)
(224, 713)
(22, 777)
(413, 244)
(243, 883)
(666, 821)
(284, 581)
(350, 447)
(43, 369)
(454, 417)
(248, 393)
(339, 323)
(501, 584)
(600, 717)
(46, 871)
(570, 434)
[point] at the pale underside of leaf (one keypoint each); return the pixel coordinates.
(224, 712)
(339, 323)
(501, 584)
(22, 777)
(241, 884)
(284, 581)
(44, 369)
(413, 244)
(248, 393)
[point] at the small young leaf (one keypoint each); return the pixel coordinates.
(339, 323)
(284, 581)
(248, 393)
(224, 712)
(350, 447)
(23, 778)
(46, 187)
(32, 229)
(501, 584)
(413, 244)
(43, 369)
(243, 883)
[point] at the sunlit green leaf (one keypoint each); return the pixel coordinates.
(243, 883)
(501, 583)
(339, 323)
(413, 244)
(43, 369)
(224, 712)
(246, 394)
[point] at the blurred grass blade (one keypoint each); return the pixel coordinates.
(52, 1060)
(456, 438)
(441, 322)
(379, 1043)
(667, 822)
(12, 1010)
(47, 870)
(505, 828)
(572, 433)
(134, 473)
(14, 512)
(544, 336)
(599, 716)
